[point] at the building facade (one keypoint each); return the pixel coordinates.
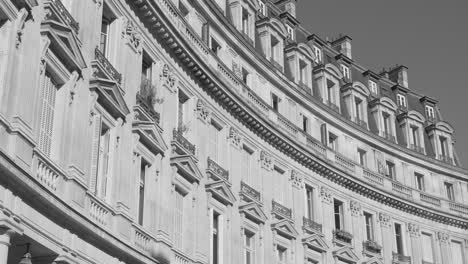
(214, 132)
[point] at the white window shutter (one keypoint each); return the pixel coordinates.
(95, 152)
(48, 94)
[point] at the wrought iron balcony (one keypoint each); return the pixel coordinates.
(146, 105)
(108, 67)
(63, 12)
(310, 225)
(250, 192)
(333, 106)
(417, 148)
(388, 136)
(281, 210)
(217, 171)
(343, 236)
(372, 246)
(183, 142)
(400, 259)
(446, 159)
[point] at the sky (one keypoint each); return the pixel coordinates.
(429, 37)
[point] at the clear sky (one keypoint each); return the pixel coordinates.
(430, 37)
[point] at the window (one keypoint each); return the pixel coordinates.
(290, 31)
(449, 191)
(430, 112)
(106, 24)
(275, 102)
(280, 186)
(330, 91)
(146, 68)
(213, 138)
(103, 162)
(48, 96)
(305, 124)
(246, 77)
(401, 100)
(373, 87)
(333, 141)
(362, 155)
(419, 181)
(345, 71)
(214, 45)
(398, 239)
(310, 202)
(282, 254)
(339, 216)
(247, 165)
(390, 169)
(141, 191)
(249, 247)
(215, 237)
(318, 54)
(443, 146)
(369, 226)
(427, 248)
(275, 49)
(358, 106)
(303, 72)
(178, 219)
(457, 253)
(387, 127)
(262, 8)
(183, 10)
(182, 105)
(246, 22)
(415, 136)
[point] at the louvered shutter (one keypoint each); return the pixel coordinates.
(95, 152)
(48, 94)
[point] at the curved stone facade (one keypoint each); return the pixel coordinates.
(214, 131)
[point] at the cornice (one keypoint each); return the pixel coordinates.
(211, 83)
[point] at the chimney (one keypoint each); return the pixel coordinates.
(288, 6)
(343, 45)
(399, 74)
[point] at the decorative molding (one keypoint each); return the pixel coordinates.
(413, 229)
(132, 35)
(325, 194)
(202, 110)
(168, 78)
(250, 193)
(355, 208)
(296, 179)
(443, 237)
(217, 172)
(281, 210)
(266, 160)
(234, 137)
(385, 220)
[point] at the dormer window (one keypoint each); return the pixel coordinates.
(318, 54)
(373, 88)
(303, 78)
(275, 49)
(263, 9)
(430, 112)
(401, 99)
(290, 31)
(346, 72)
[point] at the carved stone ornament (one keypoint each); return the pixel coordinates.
(355, 208)
(325, 194)
(131, 33)
(413, 229)
(42, 65)
(296, 179)
(202, 110)
(443, 237)
(234, 137)
(168, 79)
(385, 220)
(266, 160)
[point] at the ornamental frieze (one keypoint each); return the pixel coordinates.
(131, 33)
(413, 230)
(355, 208)
(202, 110)
(266, 160)
(235, 137)
(443, 237)
(385, 220)
(325, 194)
(168, 78)
(296, 179)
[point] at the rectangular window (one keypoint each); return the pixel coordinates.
(216, 245)
(345, 71)
(449, 191)
(262, 8)
(318, 54)
(399, 239)
(249, 247)
(275, 49)
(430, 112)
(48, 97)
(387, 125)
(369, 226)
(245, 22)
(247, 165)
(290, 31)
(419, 181)
(146, 68)
(303, 72)
(415, 136)
(401, 99)
(107, 21)
(275, 102)
(333, 141)
(103, 161)
(246, 77)
(457, 253)
(282, 254)
(214, 45)
(310, 202)
(390, 169)
(373, 87)
(427, 248)
(214, 131)
(182, 105)
(358, 106)
(141, 191)
(443, 146)
(178, 219)
(339, 214)
(305, 124)
(362, 154)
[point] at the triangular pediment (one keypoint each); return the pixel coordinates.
(346, 254)
(316, 242)
(187, 168)
(221, 191)
(373, 260)
(150, 136)
(285, 228)
(254, 212)
(110, 97)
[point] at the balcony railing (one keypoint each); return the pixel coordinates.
(63, 12)
(344, 162)
(250, 192)
(429, 199)
(143, 103)
(218, 171)
(446, 159)
(401, 189)
(288, 125)
(281, 210)
(388, 136)
(372, 246)
(108, 67)
(311, 225)
(463, 209)
(343, 236)
(417, 148)
(141, 238)
(373, 177)
(333, 106)
(400, 258)
(183, 142)
(316, 145)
